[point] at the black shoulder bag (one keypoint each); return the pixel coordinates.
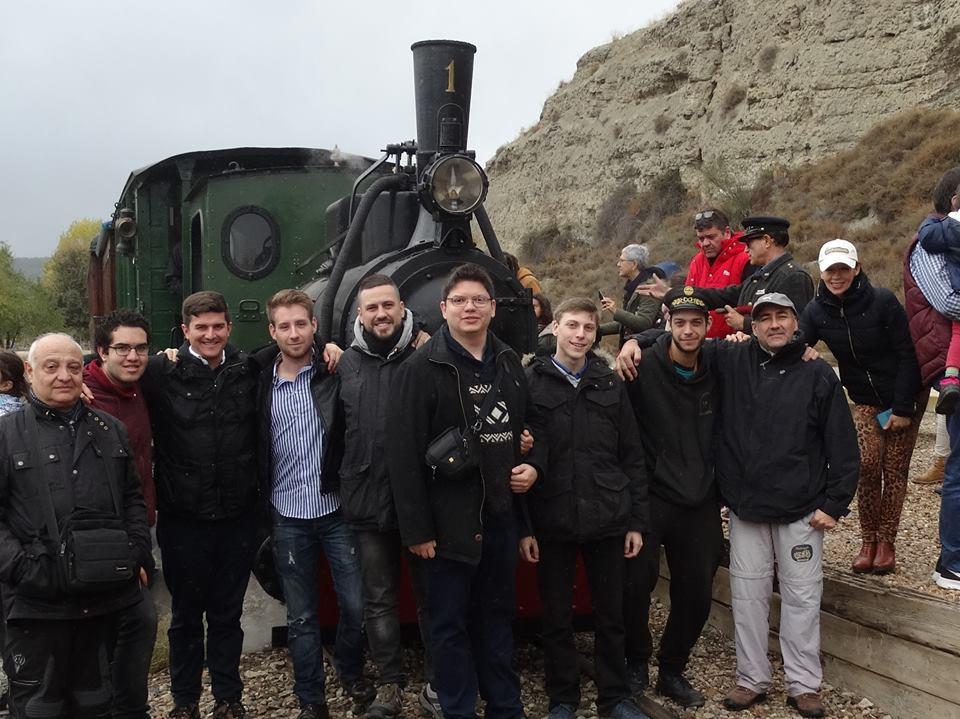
(93, 549)
(451, 452)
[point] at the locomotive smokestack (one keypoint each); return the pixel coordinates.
(443, 80)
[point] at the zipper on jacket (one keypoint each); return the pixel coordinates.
(866, 371)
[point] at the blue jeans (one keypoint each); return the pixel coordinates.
(471, 616)
(950, 500)
(297, 544)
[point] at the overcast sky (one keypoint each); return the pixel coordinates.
(92, 90)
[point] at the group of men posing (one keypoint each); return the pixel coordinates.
(559, 459)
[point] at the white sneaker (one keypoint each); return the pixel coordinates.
(947, 579)
(429, 702)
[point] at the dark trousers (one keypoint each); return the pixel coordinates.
(556, 572)
(59, 667)
(206, 566)
(471, 615)
(380, 564)
(692, 539)
(136, 635)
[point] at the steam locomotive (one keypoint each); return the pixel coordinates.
(250, 221)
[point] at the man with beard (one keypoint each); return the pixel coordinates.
(673, 397)
(300, 450)
(122, 341)
(384, 336)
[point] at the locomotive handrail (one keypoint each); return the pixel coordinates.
(489, 236)
(379, 186)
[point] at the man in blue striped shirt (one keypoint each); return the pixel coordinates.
(301, 443)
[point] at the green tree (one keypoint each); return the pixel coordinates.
(26, 309)
(65, 276)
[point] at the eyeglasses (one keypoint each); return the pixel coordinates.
(705, 215)
(460, 300)
(124, 350)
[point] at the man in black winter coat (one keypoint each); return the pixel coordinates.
(591, 500)
(385, 335)
(464, 526)
(674, 398)
(203, 413)
(60, 459)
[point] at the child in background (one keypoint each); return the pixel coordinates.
(13, 385)
(943, 237)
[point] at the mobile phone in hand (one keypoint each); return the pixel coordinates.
(600, 295)
(884, 417)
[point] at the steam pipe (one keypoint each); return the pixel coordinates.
(489, 236)
(325, 310)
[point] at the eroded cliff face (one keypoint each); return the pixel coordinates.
(743, 84)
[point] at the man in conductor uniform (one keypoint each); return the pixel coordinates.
(766, 239)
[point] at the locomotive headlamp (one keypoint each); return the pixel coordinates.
(454, 184)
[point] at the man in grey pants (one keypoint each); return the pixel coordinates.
(787, 465)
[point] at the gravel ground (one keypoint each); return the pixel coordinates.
(268, 675)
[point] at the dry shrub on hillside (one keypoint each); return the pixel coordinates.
(875, 195)
(662, 123)
(767, 57)
(735, 95)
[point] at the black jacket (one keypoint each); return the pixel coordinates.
(71, 459)
(638, 313)
(427, 399)
(784, 275)
(204, 434)
(676, 420)
(786, 441)
(593, 485)
(866, 330)
(325, 388)
(365, 382)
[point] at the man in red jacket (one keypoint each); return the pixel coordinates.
(122, 343)
(721, 261)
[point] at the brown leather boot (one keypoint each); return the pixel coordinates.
(885, 560)
(934, 475)
(863, 562)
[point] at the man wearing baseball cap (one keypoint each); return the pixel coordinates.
(673, 398)
(766, 238)
(787, 466)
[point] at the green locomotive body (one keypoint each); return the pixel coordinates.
(244, 221)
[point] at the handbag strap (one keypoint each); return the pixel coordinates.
(488, 402)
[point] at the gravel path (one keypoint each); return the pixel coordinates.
(268, 675)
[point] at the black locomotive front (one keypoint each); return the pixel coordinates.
(413, 222)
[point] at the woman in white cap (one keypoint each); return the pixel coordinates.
(865, 328)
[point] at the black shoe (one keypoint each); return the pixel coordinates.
(948, 399)
(676, 687)
(313, 711)
(185, 711)
(361, 691)
(229, 710)
(638, 676)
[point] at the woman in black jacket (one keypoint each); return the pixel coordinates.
(865, 328)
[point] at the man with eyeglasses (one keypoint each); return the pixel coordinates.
(722, 261)
(639, 312)
(122, 341)
(465, 525)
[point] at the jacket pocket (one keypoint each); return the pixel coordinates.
(609, 507)
(358, 498)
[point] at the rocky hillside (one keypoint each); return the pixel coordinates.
(739, 85)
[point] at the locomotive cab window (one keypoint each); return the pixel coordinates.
(251, 242)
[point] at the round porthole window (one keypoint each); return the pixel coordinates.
(251, 242)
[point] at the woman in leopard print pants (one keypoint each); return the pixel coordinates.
(865, 328)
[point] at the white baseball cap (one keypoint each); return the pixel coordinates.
(837, 252)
